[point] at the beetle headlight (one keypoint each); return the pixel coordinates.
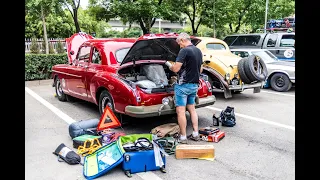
(227, 76)
(236, 75)
(165, 101)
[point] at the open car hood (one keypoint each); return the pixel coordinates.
(74, 42)
(155, 49)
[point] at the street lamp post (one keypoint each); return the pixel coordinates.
(265, 18)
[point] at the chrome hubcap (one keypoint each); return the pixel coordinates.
(59, 88)
(106, 102)
(280, 82)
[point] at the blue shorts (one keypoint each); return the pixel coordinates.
(185, 93)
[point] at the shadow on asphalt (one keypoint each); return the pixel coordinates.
(139, 125)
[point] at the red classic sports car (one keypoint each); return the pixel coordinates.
(128, 75)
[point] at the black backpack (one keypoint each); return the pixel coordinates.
(227, 117)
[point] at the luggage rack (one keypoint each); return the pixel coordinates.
(275, 30)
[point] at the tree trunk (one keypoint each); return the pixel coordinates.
(75, 19)
(230, 27)
(44, 31)
(145, 30)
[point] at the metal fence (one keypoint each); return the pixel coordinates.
(52, 41)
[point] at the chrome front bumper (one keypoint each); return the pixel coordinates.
(246, 86)
(160, 109)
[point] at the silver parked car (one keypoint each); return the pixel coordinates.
(281, 74)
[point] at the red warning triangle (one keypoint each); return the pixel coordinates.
(108, 120)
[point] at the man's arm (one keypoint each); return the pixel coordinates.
(176, 67)
(201, 68)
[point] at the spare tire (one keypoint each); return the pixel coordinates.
(255, 68)
(244, 78)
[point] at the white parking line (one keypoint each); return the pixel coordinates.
(57, 111)
(144, 175)
(277, 93)
(257, 119)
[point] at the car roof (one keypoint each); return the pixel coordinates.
(211, 39)
(247, 34)
(248, 50)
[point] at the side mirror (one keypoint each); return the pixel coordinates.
(72, 52)
(206, 62)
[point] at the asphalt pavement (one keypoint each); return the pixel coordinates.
(260, 146)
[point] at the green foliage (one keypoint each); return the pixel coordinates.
(34, 47)
(38, 66)
(43, 47)
(225, 17)
(127, 33)
(132, 33)
(60, 48)
(142, 12)
(51, 49)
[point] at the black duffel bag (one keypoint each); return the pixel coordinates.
(83, 127)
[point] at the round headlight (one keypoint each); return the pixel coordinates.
(227, 76)
(165, 101)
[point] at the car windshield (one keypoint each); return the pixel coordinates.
(121, 53)
(267, 56)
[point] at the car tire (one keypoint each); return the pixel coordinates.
(59, 92)
(244, 78)
(251, 67)
(106, 99)
(280, 82)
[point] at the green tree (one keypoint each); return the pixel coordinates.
(194, 10)
(142, 12)
(239, 16)
(41, 9)
(34, 47)
(73, 7)
(51, 49)
(60, 48)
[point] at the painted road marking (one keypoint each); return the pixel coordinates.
(55, 110)
(144, 175)
(277, 93)
(256, 119)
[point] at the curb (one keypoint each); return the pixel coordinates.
(39, 82)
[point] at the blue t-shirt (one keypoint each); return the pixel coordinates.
(191, 59)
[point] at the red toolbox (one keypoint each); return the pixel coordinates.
(211, 134)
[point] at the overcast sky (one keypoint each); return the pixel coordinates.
(84, 3)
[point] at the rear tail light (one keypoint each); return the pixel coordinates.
(136, 92)
(209, 86)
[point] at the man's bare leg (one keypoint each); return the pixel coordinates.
(182, 120)
(194, 116)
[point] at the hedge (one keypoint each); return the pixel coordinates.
(38, 66)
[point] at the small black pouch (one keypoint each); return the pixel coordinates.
(67, 155)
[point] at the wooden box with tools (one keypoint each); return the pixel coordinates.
(185, 151)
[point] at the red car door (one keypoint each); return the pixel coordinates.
(94, 65)
(76, 83)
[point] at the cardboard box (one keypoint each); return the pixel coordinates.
(216, 137)
(185, 151)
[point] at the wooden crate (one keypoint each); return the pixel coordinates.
(185, 151)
